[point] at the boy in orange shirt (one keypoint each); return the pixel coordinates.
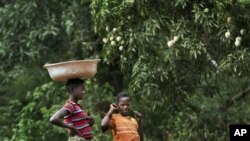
(124, 127)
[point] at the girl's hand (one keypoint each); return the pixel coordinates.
(73, 131)
(91, 121)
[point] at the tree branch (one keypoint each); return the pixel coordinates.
(237, 97)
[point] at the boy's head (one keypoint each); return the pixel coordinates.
(123, 103)
(76, 88)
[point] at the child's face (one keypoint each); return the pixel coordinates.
(79, 92)
(124, 105)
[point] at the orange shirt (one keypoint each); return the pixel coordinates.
(124, 128)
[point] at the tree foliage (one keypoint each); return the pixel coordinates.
(182, 61)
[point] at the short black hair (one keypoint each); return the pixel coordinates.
(122, 94)
(73, 83)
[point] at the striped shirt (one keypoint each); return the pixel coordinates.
(78, 118)
(124, 128)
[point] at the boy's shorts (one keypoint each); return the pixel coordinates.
(77, 138)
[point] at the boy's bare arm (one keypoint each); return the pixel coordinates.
(140, 130)
(138, 117)
(56, 119)
(105, 120)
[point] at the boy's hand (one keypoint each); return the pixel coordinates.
(113, 107)
(91, 121)
(138, 115)
(73, 131)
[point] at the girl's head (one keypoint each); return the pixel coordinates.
(76, 88)
(123, 103)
